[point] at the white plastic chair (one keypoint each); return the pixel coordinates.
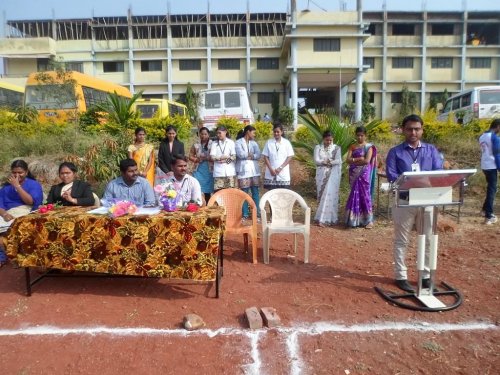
(281, 202)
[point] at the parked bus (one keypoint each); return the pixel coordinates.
(150, 108)
(11, 96)
(224, 102)
(60, 98)
(479, 102)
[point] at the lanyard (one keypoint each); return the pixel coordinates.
(412, 154)
(222, 149)
(277, 146)
(176, 184)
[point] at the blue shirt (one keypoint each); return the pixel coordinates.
(140, 192)
(9, 198)
(401, 157)
(495, 145)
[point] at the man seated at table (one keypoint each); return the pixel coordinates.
(130, 186)
(186, 186)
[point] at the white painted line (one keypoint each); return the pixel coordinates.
(292, 344)
(254, 367)
(311, 329)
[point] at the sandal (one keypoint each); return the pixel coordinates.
(369, 226)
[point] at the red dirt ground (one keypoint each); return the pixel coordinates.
(336, 287)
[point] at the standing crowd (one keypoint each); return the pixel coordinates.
(223, 163)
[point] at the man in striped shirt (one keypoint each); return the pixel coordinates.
(129, 186)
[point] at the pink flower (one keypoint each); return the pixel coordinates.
(159, 188)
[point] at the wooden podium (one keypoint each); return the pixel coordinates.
(421, 190)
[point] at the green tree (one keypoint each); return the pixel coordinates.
(275, 105)
(119, 109)
(440, 99)
(408, 102)
(285, 116)
(191, 103)
(367, 109)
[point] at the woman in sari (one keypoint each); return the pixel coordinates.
(143, 154)
(203, 167)
(328, 160)
(362, 159)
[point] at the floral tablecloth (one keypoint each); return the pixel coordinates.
(169, 244)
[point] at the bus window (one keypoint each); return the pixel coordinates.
(50, 97)
(466, 99)
(148, 111)
(10, 99)
(456, 103)
(489, 97)
(232, 99)
(212, 100)
(447, 106)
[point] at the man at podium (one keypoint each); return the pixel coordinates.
(410, 156)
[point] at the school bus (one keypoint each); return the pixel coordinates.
(62, 96)
(149, 108)
(11, 96)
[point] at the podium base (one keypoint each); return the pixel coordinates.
(428, 302)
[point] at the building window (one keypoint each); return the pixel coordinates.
(403, 29)
(442, 29)
(229, 64)
(396, 97)
(441, 62)
(402, 62)
(371, 94)
(265, 98)
(370, 61)
(151, 66)
(189, 64)
(326, 45)
(42, 65)
(74, 66)
(152, 96)
(480, 62)
(270, 63)
(113, 66)
(371, 29)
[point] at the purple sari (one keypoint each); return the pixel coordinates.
(358, 209)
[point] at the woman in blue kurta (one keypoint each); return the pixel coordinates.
(19, 195)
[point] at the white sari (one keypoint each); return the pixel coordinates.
(328, 172)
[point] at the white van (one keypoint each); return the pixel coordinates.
(478, 102)
(224, 102)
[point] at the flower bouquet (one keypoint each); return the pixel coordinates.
(121, 208)
(43, 209)
(168, 196)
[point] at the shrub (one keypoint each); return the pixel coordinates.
(263, 130)
(232, 125)
(155, 127)
(381, 133)
(303, 134)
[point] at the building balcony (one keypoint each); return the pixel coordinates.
(27, 47)
(444, 40)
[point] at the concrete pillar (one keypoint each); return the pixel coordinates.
(131, 70)
(359, 73)
(423, 74)
(294, 84)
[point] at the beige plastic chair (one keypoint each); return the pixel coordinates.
(281, 202)
(97, 201)
(232, 200)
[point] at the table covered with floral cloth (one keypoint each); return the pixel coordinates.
(182, 245)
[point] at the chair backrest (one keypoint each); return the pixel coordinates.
(232, 200)
(97, 202)
(281, 202)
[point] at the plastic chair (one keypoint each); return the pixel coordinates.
(281, 202)
(232, 200)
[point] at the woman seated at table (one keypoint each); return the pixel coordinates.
(70, 192)
(18, 197)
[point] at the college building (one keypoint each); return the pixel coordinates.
(311, 58)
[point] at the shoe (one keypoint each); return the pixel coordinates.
(405, 285)
(369, 226)
(426, 284)
(490, 221)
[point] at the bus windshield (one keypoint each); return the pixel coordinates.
(51, 96)
(148, 110)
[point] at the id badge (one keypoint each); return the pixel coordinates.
(415, 167)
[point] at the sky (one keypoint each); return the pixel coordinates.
(47, 9)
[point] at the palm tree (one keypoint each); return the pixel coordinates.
(343, 134)
(119, 109)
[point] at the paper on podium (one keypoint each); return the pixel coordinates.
(428, 179)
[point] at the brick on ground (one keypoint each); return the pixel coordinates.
(253, 317)
(271, 318)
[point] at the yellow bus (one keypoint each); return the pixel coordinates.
(11, 96)
(61, 96)
(149, 108)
